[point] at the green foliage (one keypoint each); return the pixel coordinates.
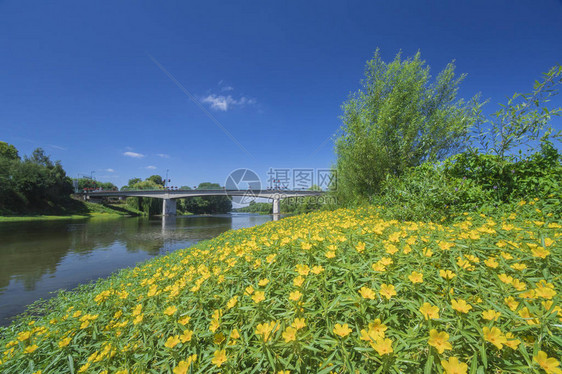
(8, 151)
(398, 119)
(254, 207)
(148, 205)
(471, 181)
(157, 179)
(34, 184)
(524, 119)
(84, 183)
(206, 204)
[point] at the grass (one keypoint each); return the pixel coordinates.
(327, 292)
(77, 210)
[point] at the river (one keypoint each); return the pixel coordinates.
(40, 257)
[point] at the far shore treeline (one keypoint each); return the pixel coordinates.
(35, 185)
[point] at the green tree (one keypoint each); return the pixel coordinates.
(157, 179)
(524, 119)
(148, 205)
(8, 151)
(207, 204)
(398, 119)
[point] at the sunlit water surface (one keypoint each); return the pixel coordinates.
(38, 258)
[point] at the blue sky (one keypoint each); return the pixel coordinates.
(77, 79)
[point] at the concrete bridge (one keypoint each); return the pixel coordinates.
(169, 197)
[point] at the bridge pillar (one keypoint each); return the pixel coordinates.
(169, 207)
(276, 205)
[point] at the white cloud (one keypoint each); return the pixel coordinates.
(150, 167)
(57, 147)
(227, 88)
(223, 103)
(163, 155)
(133, 154)
(110, 170)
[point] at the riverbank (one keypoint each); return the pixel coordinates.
(327, 291)
(76, 211)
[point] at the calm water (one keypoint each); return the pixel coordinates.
(37, 258)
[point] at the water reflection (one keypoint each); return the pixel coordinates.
(37, 258)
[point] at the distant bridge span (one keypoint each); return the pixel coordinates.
(169, 197)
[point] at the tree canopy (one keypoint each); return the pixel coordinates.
(398, 119)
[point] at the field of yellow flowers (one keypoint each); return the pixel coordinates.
(328, 292)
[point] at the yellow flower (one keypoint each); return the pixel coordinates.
(64, 342)
(461, 305)
(341, 330)
(382, 346)
(518, 285)
(494, 336)
(513, 343)
(330, 254)
(429, 311)
(284, 372)
(447, 274)
(219, 357)
(298, 323)
(360, 247)
(526, 314)
(232, 302)
(439, 340)
(186, 336)
(215, 324)
(295, 295)
(367, 293)
(548, 364)
(317, 269)
(23, 336)
(30, 349)
(290, 334)
(265, 329)
(446, 246)
(170, 310)
(545, 290)
(511, 303)
(172, 341)
(218, 338)
(302, 269)
(377, 266)
(540, 252)
(258, 297)
(375, 331)
(454, 366)
(235, 334)
(387, 290)
(491, 315)
(427, 252)
(183, 366)
(263, 282)
(249, 290)
(386, 261)
(519, 266)
(416, 277)
(298, 281)
(184, 321)
(491, 262)
(137, 310)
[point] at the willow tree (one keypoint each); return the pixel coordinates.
(398, 119)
